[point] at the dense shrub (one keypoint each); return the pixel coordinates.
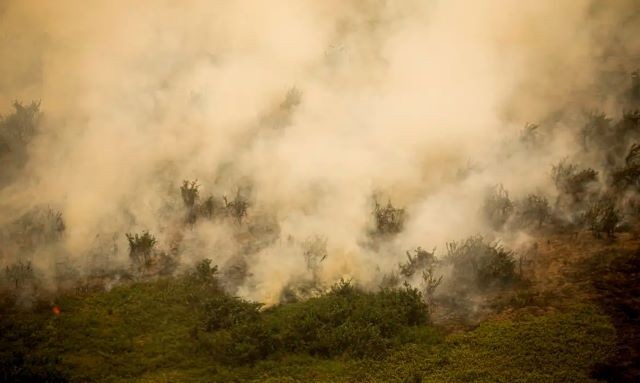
(388, 219)
(572, 181)
(602, 217)
(497, 207)
(141, 247)
(223, 311)
(533, 210)
(629, 175)
(478, 264)
(346, 320)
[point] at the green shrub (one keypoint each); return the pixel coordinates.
(345, 320)
(223, 312)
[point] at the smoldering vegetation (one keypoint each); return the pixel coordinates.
(324, 187)
(283, 232)
(594, 189)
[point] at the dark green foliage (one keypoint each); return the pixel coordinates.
(223, 311)
(478, 264)
(498, 207)
(533, 210)
(20, 362)
(345, 320)
(141, 247)
(571, 181)
(602, 217)
(204, 272)
(388, 219)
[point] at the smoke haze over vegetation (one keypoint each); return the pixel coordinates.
(300, 146)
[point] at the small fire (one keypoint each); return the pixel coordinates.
(56, 310)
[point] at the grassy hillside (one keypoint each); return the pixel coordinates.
(186, 329)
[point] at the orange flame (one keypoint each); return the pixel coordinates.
(56, 310)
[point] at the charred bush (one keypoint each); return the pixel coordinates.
(533, 210)
(20, 273)
(389, 220)
(572, 181)
(39, 226)
(421, 260)
(236, 208)
(141, 247)
(602, 217)
(16, 131)
(497, 207)
(628, 177)
(208, 208)
(478, 264)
